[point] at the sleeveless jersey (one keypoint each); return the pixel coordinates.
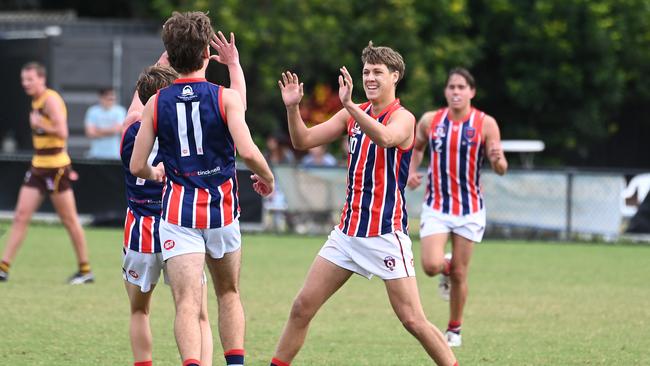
(143, 198)
(456, 156)
(49, 149)
(375, 202)
(199, 154)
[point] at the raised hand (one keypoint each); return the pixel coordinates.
(227, 52)
(414, 180)
(494, 151)
(261, 186)
(345, 86)
(291, 88)
(158, 173)
(35, 120)
(163, 60)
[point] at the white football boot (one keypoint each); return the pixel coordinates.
(444, 284)
(453, 339)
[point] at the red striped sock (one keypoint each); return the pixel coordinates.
(143, 363)
(454, 326)
(191, 362)
(276, 362)
(234, 357)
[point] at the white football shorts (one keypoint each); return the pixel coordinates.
(470, 226)
(177, 240)
(387, 256)
(142, 269)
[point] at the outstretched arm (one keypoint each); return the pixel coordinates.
(228, 55)
(304, 138)
(493, 145)
(421, 135)
(134, 112)
(263, 181)
(397, 132)
(143, 144)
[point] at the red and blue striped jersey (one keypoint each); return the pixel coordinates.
(375, 202)
(143, 199)
(199, 155)
(456, 156)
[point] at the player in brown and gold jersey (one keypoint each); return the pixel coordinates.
(50, 173)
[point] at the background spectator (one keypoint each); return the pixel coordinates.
(104, 126)
(277, 149)
(318, 156)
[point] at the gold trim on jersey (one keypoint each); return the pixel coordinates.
(46, 146)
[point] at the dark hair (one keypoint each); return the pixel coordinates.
(384, 55)
(465, 74)
(106, 90)
(186, 37)
(152, 79)
(33, 65)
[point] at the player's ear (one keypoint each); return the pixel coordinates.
(395, 77)
(206, 52)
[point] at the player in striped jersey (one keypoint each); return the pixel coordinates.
(198, 125)
(372, 237)
(143, 261)
(50, 173)
(458, 137)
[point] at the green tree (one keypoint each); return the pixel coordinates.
(568, 72)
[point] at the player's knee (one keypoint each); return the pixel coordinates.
(302, 310)
(68, 220)
(203, 317)
(414, 324)
(458, 274)
(187, 302)
(226, 290)
(21, 217)
(141, 310)
(432, 268)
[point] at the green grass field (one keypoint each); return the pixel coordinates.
(530, 304)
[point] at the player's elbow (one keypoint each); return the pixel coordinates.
(501, 168)
(300, 144)
(385, 141)
(136, 168)
(247, 155)
(63, 134)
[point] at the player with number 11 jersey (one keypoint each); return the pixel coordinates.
(201, 189)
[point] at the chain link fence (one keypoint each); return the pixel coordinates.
(533, 204)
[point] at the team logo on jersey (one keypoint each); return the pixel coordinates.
(169, 244)
(133, 274)
(187, 94)
(389, 262)
(356, 130)
(441, 130)
(469, 133)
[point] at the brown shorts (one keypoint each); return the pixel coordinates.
(49, 180)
